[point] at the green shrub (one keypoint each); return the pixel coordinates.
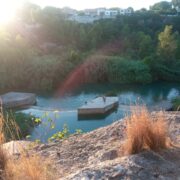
(18, 124)
(61, 134)
(176, 104)
(127, 71)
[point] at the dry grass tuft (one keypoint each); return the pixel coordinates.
(145, 131)
(3, 157)
(29, 168)
(25, 167)
(3, 163)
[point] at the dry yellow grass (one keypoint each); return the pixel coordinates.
(26, 167)
(145, 131)
(3, 163)
(3, 158)
(29, 168)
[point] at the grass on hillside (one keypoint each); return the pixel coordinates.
(145, 132)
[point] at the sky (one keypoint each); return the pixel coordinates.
(83, 4)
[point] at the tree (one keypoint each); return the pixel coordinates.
(145, 45)
(143, 10)
(178, 48)
(167, 43)
(162, 7)
(176, 3)
(28, 12)
(130, 9)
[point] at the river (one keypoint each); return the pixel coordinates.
(68, 104)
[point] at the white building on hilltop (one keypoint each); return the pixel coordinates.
(103, 12)
(127, 11)
(91, 15)
(111, 13)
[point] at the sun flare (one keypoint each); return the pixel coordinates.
(7, 11)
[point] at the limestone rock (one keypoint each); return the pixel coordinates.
(17, 99)
(97, 155)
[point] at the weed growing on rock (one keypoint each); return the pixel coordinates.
(145, 131)
(61, 134)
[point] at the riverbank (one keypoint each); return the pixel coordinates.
(98, 154)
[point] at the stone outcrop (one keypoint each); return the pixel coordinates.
(99, 155)
(147, 165)
(17, 99)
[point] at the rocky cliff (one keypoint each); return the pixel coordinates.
(99, 155)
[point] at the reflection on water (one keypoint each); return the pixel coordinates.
(141, 94)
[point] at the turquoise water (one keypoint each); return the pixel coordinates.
(68, 104)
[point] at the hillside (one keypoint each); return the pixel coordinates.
(99, 155)
(51, 50)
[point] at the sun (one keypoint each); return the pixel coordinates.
(8, 10)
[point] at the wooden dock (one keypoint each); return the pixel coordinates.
(100, 105)
(17, 100)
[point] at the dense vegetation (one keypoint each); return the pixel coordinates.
(41, 49)
(17, 125)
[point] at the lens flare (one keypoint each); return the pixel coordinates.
(8, 11)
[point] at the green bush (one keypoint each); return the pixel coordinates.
(176, 104)
(127, 71)
(18, 125)
(25, 123)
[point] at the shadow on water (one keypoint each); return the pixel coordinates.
(97, 116)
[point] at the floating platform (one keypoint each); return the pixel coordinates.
(100, 105)
(17, 100)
